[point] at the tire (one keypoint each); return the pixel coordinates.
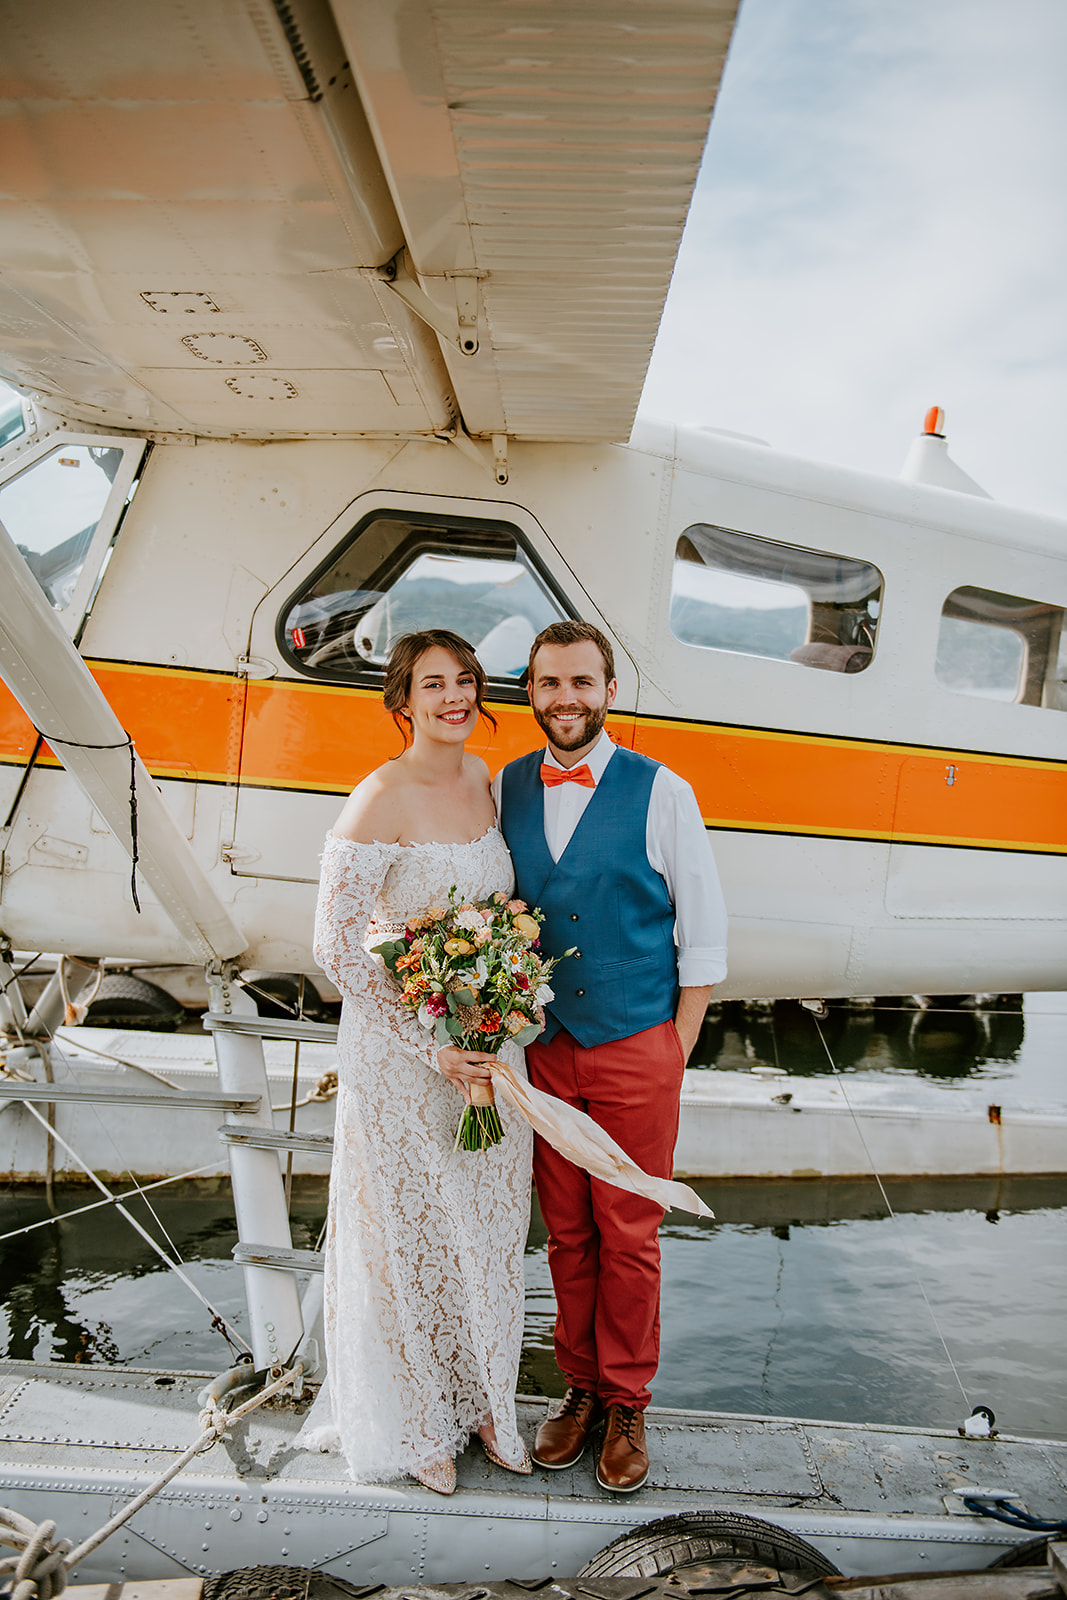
(278, 1583)
(660, 1547)
(123, 1001)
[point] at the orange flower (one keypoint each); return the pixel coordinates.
(490, 1022)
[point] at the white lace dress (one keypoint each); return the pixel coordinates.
(424, 1248)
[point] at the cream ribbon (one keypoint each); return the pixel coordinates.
(576, 1136)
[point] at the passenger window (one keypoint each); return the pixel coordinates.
(1002, 647)
(51, 511)
(732, 591)
(395, 576)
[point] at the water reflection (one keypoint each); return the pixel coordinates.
(946, 1039)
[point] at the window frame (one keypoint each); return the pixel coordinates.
(808, 551)
(406, 553)
(1031, 686)
(135, 450)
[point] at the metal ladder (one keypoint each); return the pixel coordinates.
(281, 1324)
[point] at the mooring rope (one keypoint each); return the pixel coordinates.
(40, 1568)
(889, 1207)
(97, 1205)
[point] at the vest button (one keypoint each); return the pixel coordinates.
(574, 916)
(579, 992)
(577, 954)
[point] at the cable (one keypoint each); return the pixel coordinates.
(127, 743)
(889, 1208)
(229, 1333)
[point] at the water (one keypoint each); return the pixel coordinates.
(803, 1298)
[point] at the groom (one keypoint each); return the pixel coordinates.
(613, 849)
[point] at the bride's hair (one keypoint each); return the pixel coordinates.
(400, 669)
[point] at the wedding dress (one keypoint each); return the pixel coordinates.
(424, 1249)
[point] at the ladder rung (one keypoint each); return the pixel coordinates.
(271, 1027)
(181, 1099)
(276, 1139)
(274, 1255)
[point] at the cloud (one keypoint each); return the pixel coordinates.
(879, 226)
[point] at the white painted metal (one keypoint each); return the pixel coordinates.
(809, 916)
(194, 225)
(52, 684)
(258, 1193)
(733, 1124)
(554, 150)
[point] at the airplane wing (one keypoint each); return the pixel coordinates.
(392, 217)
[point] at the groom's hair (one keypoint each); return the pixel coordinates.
(575, 633)
(400, 669)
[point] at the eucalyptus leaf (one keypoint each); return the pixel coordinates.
(441, 1033)
(528, 1034)
(464, 997)
(454, 1026)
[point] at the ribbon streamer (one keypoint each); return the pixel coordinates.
(576, 1136)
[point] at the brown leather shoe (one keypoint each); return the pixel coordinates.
(623, 1463)
(561, 1441)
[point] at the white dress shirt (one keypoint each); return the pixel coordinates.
(678, 848)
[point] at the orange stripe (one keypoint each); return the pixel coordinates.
(323, 738)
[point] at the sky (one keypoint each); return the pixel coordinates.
(880, 225)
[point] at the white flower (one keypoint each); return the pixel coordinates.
(544, 994)
(469, 919)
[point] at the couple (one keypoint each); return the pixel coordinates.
(424, 1252)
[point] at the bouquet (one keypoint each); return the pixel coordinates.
(472, 973)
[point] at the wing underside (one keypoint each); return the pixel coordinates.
(392, 217)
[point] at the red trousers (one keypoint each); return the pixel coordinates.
(603, 1245)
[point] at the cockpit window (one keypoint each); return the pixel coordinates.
(396, 575)
(1002, 647)
(52, 509)
(732, 591)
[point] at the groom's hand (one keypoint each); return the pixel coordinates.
(463, 1067)
(692, 1008)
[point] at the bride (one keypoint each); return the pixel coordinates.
(424, 1270)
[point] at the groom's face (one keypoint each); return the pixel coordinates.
(569, 696)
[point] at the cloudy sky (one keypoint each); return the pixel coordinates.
(880, 225)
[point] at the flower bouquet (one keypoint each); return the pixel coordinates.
(472, 973)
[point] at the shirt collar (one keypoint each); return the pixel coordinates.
(596, 760)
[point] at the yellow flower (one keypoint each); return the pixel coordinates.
(526, 925)
(458, 947)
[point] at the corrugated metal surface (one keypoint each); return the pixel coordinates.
(553, 148)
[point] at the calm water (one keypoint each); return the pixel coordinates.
(802, 1298)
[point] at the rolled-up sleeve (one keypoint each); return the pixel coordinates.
(680, 851)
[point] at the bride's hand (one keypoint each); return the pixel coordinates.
(463, 1067)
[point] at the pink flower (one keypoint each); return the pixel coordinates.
(515, 906)
(436, 1005)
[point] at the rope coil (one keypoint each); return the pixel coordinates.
(38, 1568)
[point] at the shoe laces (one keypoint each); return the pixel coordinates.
(626, 1421)
(575, 1400)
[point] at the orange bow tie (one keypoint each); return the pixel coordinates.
(551, 777)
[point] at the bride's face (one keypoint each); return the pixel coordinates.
(443, 700)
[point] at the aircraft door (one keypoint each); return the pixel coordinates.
(393, 564)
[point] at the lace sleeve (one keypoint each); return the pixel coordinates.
(352, 874)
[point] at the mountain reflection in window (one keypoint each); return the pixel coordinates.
(733, 591)
(397, 576)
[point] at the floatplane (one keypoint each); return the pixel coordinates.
(326, 320)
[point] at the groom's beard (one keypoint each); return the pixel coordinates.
(577, 734)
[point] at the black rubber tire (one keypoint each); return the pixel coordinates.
(277, 1583)
(1031, 1553)
(124, 1001)
(659, 1547)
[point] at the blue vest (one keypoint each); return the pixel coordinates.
(601, 895)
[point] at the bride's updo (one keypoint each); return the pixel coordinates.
(400, 669)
